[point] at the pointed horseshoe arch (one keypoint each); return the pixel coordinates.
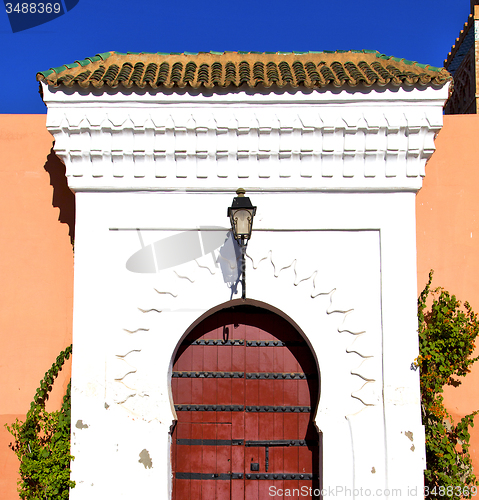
(245, 385)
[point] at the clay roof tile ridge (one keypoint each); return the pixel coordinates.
(231, 69)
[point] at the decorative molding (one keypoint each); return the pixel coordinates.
(278, 147)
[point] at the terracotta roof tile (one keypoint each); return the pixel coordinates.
(234, 69)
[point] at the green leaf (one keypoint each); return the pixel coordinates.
(42, 443)
(446, 332)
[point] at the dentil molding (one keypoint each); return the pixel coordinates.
(282, 144)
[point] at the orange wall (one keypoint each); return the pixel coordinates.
(36, 259)
(36, 270)
(447, 210)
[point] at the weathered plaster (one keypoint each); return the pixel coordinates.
(145, 459)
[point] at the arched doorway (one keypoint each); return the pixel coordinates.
(245, 385)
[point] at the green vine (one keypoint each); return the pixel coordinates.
(447, 333)
(42, 443)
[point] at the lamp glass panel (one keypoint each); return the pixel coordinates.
(242, 219)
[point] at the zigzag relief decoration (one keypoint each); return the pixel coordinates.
(135, 331)
(166, 293)
(367, 394)
(149, 310)
(362, 346)
(125, 371)
(161, 145)
(211, 271)
(123, 367)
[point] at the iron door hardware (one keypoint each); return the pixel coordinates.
(207, 374)
(209, 442)
(239, 475)
(250, 409)
(280, 443)
(278, 476)
(247, 343)
(259, 375)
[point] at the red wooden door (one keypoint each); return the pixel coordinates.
(244, 384)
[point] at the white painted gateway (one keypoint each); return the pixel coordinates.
(331, 149)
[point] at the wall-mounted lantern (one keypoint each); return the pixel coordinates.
(241, 214)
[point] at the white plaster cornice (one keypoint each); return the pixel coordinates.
(378, 140)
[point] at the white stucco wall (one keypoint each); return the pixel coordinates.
(334, 177)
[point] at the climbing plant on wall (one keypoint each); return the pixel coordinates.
(447, 333)
(42, 443)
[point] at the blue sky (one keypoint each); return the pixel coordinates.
(419, 30)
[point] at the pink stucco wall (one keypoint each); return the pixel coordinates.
(36, 270)
(447, 210)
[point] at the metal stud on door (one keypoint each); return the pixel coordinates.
(244, 385)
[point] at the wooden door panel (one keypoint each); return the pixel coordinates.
(208, 488)
(196, 396)
(184, 391)
(291, 485)
(209, 459)
(251, 426)
(238, 424)
(252, 359)
(291, 428)
(203, 461)
(238, 358)
(266, 426)
(183, 489)
(256, 362)
(304, 424)
(210, 392)
(266, 364)
(194, 454)
(183, 459)
(238, 490)
(304, 459)
(291, 459)
(225, 353)
(224, 416)
(304, 396)
(197, 357)
(237, 390)
(184, 361)
(276, 460)
(263, 491)
(251, 392)
(224, 391)
(223, 490)
(251, 490)
(266, 359)
(196, 384)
